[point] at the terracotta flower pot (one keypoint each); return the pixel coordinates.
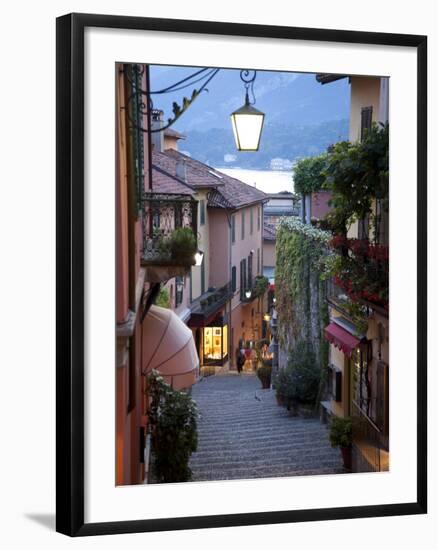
(346, 456)
(280, 400)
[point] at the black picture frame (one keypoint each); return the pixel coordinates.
(70, 274)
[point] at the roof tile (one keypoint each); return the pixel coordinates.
(199, 175)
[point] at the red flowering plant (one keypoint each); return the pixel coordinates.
(364, 278)
(359, 247)
(357, 175)
(338, 241)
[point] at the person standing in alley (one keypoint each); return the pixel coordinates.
(239, 360)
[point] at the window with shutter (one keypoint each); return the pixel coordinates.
(249, 283)
(233, 229)
(242, 279)
(233, 278)
(366, 118)
(363, 229)
(202, 210)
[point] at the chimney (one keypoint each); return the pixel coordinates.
(181, 171)
(156, 123)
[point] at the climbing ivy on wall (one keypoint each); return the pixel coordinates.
(302, 307)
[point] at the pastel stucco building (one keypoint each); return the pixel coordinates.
(359, 359)
(130, 283)
(147, 337)
(219, 300)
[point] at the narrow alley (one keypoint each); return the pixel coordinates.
(243, 433)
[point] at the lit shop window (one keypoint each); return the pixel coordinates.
(215, 345)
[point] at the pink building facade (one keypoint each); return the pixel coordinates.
(130, 284)
(212, 299)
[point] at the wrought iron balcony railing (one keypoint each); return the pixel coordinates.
(169, 228)
(369, 453)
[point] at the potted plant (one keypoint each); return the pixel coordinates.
(264, 374)
(261, 284)
(183, 245)
(341, 436)
(280, 385)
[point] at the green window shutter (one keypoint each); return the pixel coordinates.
(233, 278)
(366, 118)
(202, 210)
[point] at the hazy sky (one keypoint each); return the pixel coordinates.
(289, 98)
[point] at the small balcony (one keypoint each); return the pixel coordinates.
(354, 313)
(337, 296)
(363, 273)
(169, 231)
(206, 307)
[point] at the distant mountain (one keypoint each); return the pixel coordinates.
(279, 141)
(302, 117)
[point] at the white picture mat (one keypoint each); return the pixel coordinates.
(104, 501)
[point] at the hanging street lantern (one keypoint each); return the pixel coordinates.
(247, 121)
(199, 256)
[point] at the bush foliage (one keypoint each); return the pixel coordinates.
(173, 423)
(309, 174)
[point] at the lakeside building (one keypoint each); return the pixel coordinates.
(220, 300)
(281, 164)
(359, 359)
(146, 336)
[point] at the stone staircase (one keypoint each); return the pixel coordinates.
(244, 434)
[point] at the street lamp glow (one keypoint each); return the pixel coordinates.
(248, 293)
(247, 125)
(199, 256)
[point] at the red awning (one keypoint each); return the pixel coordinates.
(341, 338)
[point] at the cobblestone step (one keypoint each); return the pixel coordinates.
(243, 434)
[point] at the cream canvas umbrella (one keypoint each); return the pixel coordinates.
(168, 347)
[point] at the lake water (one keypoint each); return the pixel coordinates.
(269, 181)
